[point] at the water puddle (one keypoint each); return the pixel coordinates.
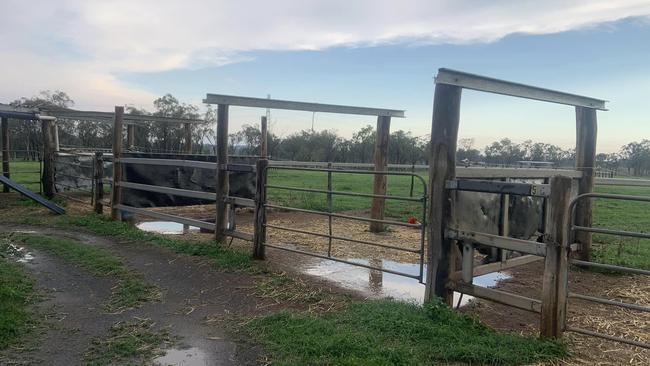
(379, 284)
(192, 356)
(165, 227)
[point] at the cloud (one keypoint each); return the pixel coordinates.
(79, 46)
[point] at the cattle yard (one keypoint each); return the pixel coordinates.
(556, 253)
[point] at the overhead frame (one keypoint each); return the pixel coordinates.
(128, 118)
(299, 106)
(491, 85)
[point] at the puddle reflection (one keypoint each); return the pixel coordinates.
(379, 284)
(192, 356)
(165, 227)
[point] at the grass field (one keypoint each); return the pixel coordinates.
(623, 215)
(26, 173)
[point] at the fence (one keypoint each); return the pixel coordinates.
(263, 204)
(573, 228)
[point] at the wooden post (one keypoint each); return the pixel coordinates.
(554, 285)
(259, 235)
(98, 180)
(222, 186)
(55, 133)
(264, 147)
(187, 140)
(116, 192)
(48, 158)
(130, 136)
(586, 133)
(381, 165)
(442, 167)
(5, 151)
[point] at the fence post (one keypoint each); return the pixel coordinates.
(381, 164)
(222, 184)
(441, 254)
(130, 136)
(48, 158)
(187, 132)
(116, 192)
(259, 236)
(586, 133)
(554, 285)
(5, 151)
(98, 187)
(264, 142)
(329, 208)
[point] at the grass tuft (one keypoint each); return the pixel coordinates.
(132, 343)
(16, 292)
(226, 258)
(386, 332)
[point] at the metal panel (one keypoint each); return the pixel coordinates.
(298, 106)
(610, 267)
(524, 246)
(170, 162)
(167, 190)
(167, 217)
(491, 186)
(609, 302)
(608, 337)
(497, 86)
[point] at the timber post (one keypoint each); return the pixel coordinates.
(264, 138)
(259, 236)
(554, 285)
(98, 180)
(48, 158)
(222, 184)
(130, 136)
(441, 254)
(187, 138)
(586, 134)
(5, 151)
(381, 165)
(116, 192)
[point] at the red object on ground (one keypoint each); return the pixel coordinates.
(412, 220)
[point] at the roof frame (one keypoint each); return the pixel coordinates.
(497, 86)
(299, 106)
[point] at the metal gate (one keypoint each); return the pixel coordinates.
(603, 301)
(263, 204)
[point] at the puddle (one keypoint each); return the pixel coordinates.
(192, 356)
(379, 284)
(164, 227)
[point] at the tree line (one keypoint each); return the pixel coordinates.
(305, 145)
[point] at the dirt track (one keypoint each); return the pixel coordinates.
(192, 292)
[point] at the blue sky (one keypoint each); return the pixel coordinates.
(366, 53)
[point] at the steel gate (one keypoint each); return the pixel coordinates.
(263, 204)
(603, 301)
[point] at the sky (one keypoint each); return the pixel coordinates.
(372, 53)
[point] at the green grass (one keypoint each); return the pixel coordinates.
(622, 215)
(131, 290)
(16, 292)
(128, 343)
(386, 332)
(26, 173)
(359, 183)
(225, 258)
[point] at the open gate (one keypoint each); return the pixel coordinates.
(609, 267)
(262, 204)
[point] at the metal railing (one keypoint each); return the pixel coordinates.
(599, 300)
(330, 214)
